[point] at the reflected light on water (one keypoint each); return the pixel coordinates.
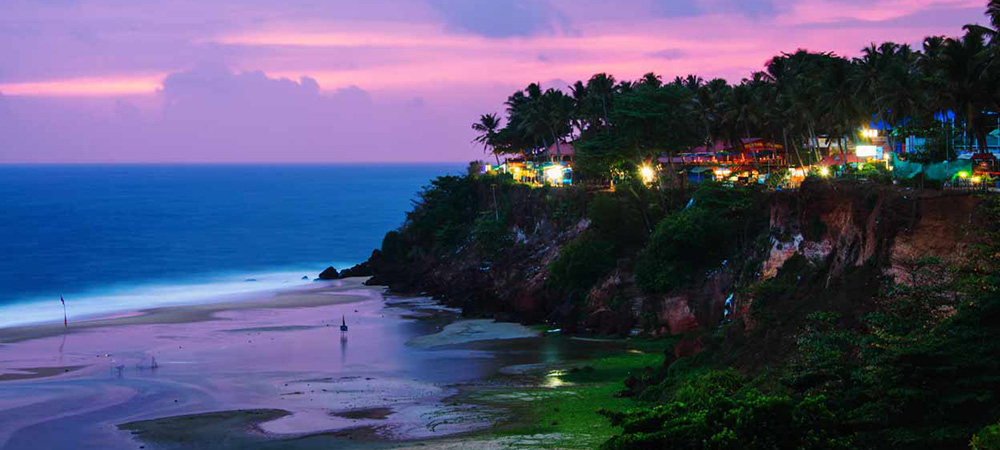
(554, 379)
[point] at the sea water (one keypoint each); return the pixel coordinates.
(123, 237)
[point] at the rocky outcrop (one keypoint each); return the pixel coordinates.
(850, 234)
(509, 284)
(330, 273)
(945, 229)
(357, 270)
(688, 309)
(847, 228)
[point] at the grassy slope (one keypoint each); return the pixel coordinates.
(563, 413)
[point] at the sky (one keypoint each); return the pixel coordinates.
(190, 81)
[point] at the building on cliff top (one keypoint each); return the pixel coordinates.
(551, 165)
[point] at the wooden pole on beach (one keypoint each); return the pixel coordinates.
(65, 318)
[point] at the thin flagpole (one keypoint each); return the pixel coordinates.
(65, 319)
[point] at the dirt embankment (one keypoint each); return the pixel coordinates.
(508, 283)
(851, 235)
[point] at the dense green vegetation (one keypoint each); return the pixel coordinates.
(440, 220)
(796, 100)
(921, 371)
(619, 226)
(688, 242)
(917, 366)
(563, 413)
(857, 362)
(580, 264)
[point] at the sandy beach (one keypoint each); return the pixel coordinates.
(257, 372)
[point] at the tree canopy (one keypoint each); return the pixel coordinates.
(945, 90)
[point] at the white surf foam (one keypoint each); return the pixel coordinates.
(122, 299)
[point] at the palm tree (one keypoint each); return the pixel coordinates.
(930, 65)
(964, 66)
(841, 101)
(602, 87)
(488, 127)
(899, 98)
(710, 105)
(740, 108)
(556, 109)
(650, 80)
(993, 13)
(581, 117)
(780, 76)
(798, 98)
(539, 117)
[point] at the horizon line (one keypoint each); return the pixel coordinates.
(226, 163)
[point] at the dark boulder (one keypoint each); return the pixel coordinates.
(329, 274)
(359, 270)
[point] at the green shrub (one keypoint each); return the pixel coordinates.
(875, 171)
(686, 243)
(986, 439)
(719, 409)
(617, 219)
(921, 371)
(771, 292)
(682, 244)
(442, 217)
(581, 264)
(393, 246)
(491, 234)
(566, 206)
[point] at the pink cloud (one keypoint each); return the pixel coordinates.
(105, 81)
(211, 114)
(825, 11)
(100, 87)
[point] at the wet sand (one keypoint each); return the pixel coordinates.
(269, 372)
(322, 294)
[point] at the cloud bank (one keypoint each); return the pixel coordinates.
(385, 80)
(211, 114)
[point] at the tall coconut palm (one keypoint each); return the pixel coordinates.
(557, 110)
(993, 13)
(602, 87)
(780, 74)
(839, 96)
(888, 81)
(583, 117)
(964, 68)
(739, 110)
(934, 93)
(899, 97)
(712, 103)
(650, 80)
(488, 126)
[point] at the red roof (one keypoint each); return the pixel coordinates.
(566, 149)
(749, 144)
(837, 159)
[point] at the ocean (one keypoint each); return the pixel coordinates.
(120, 237)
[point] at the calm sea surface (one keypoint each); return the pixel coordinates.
(118, 237)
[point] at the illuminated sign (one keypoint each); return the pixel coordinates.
(866, 151)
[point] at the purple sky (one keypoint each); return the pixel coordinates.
(374, 80)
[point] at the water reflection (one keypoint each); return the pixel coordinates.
(553, 379)
(343, 350)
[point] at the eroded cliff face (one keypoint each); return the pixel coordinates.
(851, 236)
(857, 233)
(509, 284)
